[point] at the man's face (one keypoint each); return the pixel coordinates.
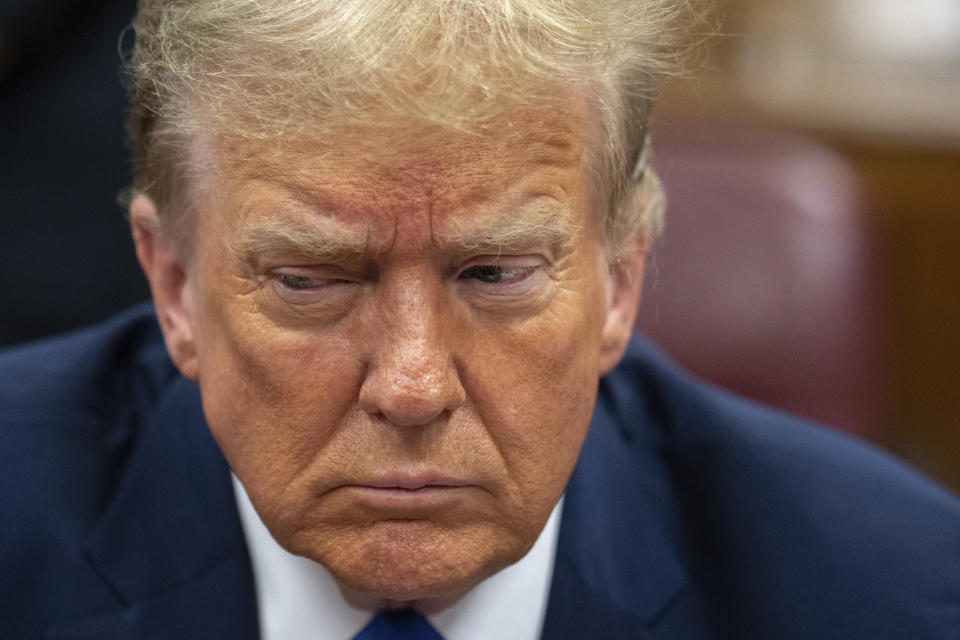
(398, 353)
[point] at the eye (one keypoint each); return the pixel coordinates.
(297, 282)
(497, 274)
(321, 286)
(505, 283)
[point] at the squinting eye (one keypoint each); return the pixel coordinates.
(319, 294)
(296, 282)
(496, 274)
(305, 286)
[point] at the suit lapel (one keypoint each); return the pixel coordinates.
(170, 545)
(211, 605)
(618, 573)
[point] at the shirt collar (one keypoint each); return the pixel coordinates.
(299, 600)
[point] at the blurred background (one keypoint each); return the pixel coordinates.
(65, 254)
(811, 158)
(874, 85)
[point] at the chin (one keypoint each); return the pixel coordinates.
(401, 562)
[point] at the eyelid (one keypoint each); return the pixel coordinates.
(282, 280)
(533, 262)
(324, 281)
(319, 272)
(529, 275)
(506, 260)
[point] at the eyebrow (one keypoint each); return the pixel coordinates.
(540, 221)
(320, 239)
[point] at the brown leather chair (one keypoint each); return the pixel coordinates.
(765, 281)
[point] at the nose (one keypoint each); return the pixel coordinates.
(412, 379)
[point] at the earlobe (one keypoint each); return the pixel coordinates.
(625, 285)
(168, 280)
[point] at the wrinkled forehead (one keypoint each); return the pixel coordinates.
(541, 151)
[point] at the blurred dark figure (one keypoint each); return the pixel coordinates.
(65, 254)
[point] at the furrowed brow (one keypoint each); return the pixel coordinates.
(321, 240)
(543, 222)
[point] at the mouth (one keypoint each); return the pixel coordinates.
(408, 495)
(413, 483)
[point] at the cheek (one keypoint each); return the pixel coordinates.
(534, 386)
(272, 397)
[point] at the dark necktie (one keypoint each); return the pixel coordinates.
(398, 625)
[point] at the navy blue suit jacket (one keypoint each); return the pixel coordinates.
(690, 514)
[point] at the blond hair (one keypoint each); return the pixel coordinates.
(281, 69)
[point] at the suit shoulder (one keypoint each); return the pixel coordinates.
(778, 510)
(658, 404)
(71, 405)
(104, 458)
(91, 370)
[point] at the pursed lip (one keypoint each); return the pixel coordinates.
(407, 496)
(412, 482)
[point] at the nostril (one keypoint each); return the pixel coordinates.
(408, 420)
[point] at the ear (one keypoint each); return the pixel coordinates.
(167, 274)
(625, 282)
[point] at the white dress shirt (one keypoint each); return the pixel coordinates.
(299, 600)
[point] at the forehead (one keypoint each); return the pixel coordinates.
(385, 170)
